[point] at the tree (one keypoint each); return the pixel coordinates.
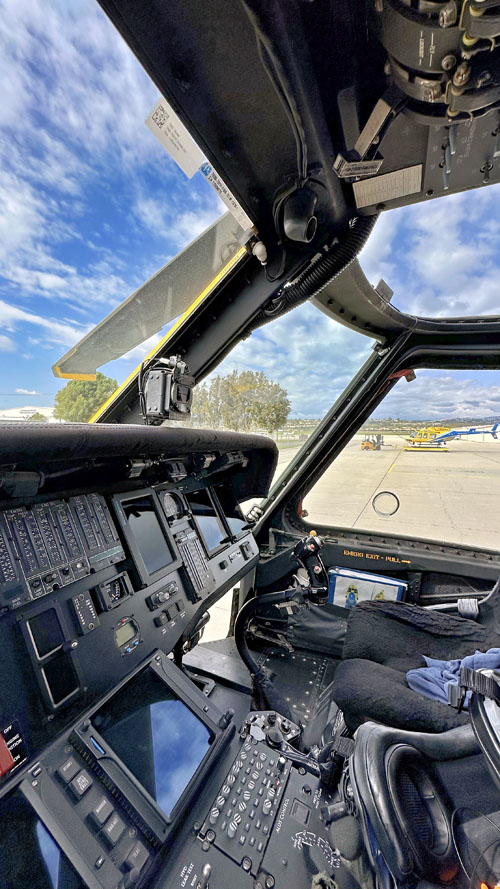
(79, 400)
(245, 401)
(37, 417)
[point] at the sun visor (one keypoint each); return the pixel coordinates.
(167, 295)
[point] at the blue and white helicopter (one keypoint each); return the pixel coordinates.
(434, 437)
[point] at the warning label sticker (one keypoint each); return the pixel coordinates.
(15, 744)
(226, 196)
(388, 186)
(175, 138)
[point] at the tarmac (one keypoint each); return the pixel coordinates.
(450, 496)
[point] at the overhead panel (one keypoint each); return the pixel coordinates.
(165, 296)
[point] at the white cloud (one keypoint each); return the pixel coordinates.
(437, 395)
(29, 230)
(311, 356)
(54, 331)
(440, 257)
(376, 258)
(6, 344)
(92, 89)
(166, 220)
(21, 391)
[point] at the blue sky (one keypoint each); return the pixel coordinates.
(91, 206)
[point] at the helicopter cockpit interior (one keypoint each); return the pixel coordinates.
(310, 748)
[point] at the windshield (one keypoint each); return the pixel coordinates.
(278, 382)
(92, 206)
(440, 258)
(426, 464)
(91, 203)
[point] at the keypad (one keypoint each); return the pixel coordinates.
(243, 811)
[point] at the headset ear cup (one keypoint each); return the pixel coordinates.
(422, 811)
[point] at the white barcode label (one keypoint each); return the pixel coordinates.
(175, 138)
(178, 142)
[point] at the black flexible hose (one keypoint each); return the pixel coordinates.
(265, 689)
(322, 273)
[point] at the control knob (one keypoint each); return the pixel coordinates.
(267, 806)
(214, 814)
(275, 738)
(162, 597)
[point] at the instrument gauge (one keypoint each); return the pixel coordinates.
(172, 506)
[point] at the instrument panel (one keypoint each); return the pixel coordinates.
(50, 545)
(91, 584)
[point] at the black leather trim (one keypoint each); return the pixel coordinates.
(380, 757)
(38, 445)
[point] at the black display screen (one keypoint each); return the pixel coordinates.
(147, 533)
(46, 632)
(231, 509)
(60, 677)
(208, 523)
(29, 856)
(156, 735)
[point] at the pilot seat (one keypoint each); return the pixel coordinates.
(384, 640)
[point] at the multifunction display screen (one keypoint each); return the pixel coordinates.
(206, 518)
(147, 533)
(156, 735)
(232, 510)
(125, 633)
(29, 857)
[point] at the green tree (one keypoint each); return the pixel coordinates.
(79, 399)
(37, 417)
(246, 401)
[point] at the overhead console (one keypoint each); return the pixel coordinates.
(113, 543)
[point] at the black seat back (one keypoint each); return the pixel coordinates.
(399, 797)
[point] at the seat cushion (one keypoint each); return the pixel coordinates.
(366, 690)
(397, 635)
